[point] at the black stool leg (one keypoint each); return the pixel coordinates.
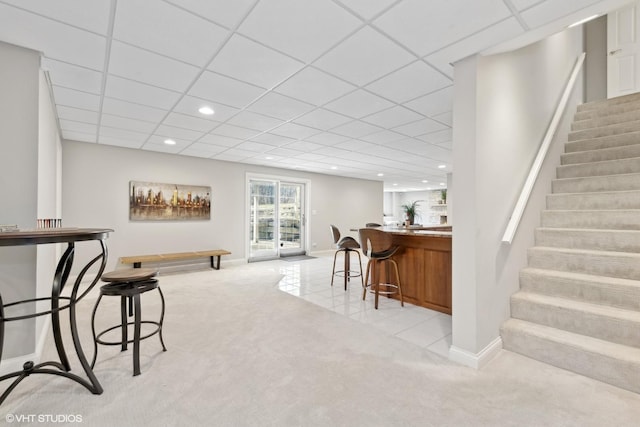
(347, 267)
(136, 335)
(124, 322)
(161, 320)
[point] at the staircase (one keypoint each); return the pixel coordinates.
(578, 307)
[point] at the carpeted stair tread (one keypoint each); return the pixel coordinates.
(607, 103)
(627, 199)
(589, 238)
(609, 141)
(608, 119)
(604, 111)
(618, 219)
(599, 168)
(599, 155)
(613, 129)
(596, 183)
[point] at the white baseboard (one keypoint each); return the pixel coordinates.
(475, 360)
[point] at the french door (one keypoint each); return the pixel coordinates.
(276, 218)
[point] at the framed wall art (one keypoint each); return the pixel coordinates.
(151, 201)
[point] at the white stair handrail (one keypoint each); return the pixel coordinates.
(518, 210)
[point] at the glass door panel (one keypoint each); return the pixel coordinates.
(291, 219)
(262, 219)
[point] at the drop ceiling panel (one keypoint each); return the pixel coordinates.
(119, 142)
(218, 88)
(327, 138)
(548, 11)
(185, 121)
(128, 124)
(356, 129)
(271, 139)
(76, 114)
(163, 148)
(393, 117)
(445, 118)
(156, 143)
(117, 107)
(255, 121)
(356, 145)
(295, 131)
(76, 99)
(73, 76)
(314, 86)
(122, 134)
(167, 30)
(79, 136)
(229, 157)
(322, 119)
(140, 93)
(224, 12)
(358, 58)
(438, 137)
(280, 106)
(383, 137)
(254, 63)
(180, 133)
(524, 4)
(434, 103)
(203, 150)
(410, 82)
(59, 41)
(190, 105)
(256, 147)
(317, 26)
(150, 68)
(426, 27)
(220, 140)
(420, 127)
(234, 131)
(69, 125)
(367, 9)
(359, 104)
(304, 146)
(311, 157)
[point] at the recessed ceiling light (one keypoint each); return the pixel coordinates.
(380, 174)
(582, 21)
(169, 142)
(269, 158)
(207, 111)
(334, 167)
(442, 166)
(424, 181)
(395, 184)
(442, 183)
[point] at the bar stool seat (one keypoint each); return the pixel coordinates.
(347, 245)
(128, 284)
(378, 247)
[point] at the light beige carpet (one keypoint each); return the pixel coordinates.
(242, 353)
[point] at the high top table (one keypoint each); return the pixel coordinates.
(57, 235)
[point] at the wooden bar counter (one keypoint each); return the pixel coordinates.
(424, 261)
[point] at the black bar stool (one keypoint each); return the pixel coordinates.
(347, 245)
(128, 284)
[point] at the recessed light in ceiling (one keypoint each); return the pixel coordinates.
(424, 181)
(442, 166)
(207, 111)
(442, 183)
(269, 158)
(334, 167)
(169, 142)
(380, 174)
(395, 184)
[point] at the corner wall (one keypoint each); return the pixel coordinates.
(503, 105)
(95, 184)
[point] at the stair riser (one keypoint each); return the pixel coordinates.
(614, 330)
(612, 200)
(603, 142)
(617, 153)
(606, 120)
(615, 220)
(605, 131)
(620, 373)
(619, 241)
(608, 103)
(620, 265)
(611, 110)
(607, 168)
(597, 184)
(615, 295)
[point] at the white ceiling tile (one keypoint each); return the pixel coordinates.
(195, 152)
(190, 122)
(180, 133)
(128, 124)
(317, 26)
(117, 107)
(119, 142)
(322, 119)
(72, 76)
(310, 157)
(293, 130)
(356, 145)
(218, 88)
(280, 106)
(410, 82)
(283, 152)
(254, 146)
(420, 127)
(122, 134)
(357, 59)
(438, 137)
(332, 152)
(146, 67)
(367, 8)
(255, 121)
(199, 148)
(224, 12)
(428, 26)
(435, 103)
(234, 131)
(327, 138)
(79, 136)
(74, 12)
(358, 104)
(235, 152)
(548, 11)
(69, 125)
(271, 139)
(168, 30)
(394, 116)
(383, 137)
(229, 156)
(489, 37)
(356, 129)
(446, 118)
(76, 99)
(220, 140)
(524, 4)
(139, 93)
(160, 138)
(57, 41)
(254, 63)
(161, 147)
(314, 86)
(190, 105)
(76, 114)
(304, 146)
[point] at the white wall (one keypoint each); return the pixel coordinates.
(18, 186)
(595, 65)
(95, 184)
(502, 107)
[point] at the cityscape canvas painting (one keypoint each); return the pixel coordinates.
(151, 201)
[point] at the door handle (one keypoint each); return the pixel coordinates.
(613, 52)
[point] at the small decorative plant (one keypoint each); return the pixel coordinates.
(443, 193)
(410, 210)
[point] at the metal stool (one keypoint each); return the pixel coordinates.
(378, 246)
(347, 245)
(128, 284)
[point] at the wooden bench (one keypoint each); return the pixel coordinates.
(137, 260)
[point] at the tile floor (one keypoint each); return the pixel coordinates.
(311, 280)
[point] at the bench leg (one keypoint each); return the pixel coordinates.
(137, 264)
(213, 264)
